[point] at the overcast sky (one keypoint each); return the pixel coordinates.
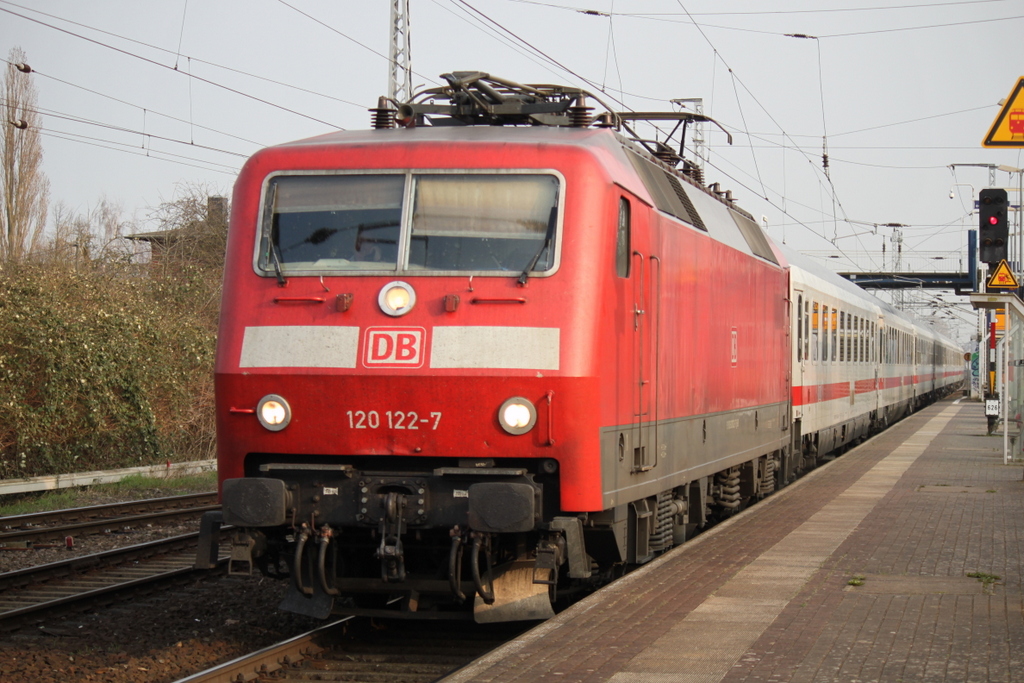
(138, 97)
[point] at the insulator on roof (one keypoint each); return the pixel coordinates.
(693, 171)
(383, 114)
(579, 114)
(666, 154)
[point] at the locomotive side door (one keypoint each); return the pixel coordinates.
(645, 273)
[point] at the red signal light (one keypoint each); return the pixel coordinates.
(993, 231)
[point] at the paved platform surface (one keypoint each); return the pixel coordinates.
(910, 516)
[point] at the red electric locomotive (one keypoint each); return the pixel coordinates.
(493, 350)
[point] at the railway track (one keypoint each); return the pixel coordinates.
(358, 650)
(24, 531)
(88, 579)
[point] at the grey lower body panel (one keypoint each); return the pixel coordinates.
(642, 460)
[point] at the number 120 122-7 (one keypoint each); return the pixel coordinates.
(392, 419)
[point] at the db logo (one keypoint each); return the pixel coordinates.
(394, 347)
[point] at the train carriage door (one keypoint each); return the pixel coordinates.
(645, 274)
(800, 322)
(877, 359)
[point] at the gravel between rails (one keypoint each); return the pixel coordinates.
(159, 638)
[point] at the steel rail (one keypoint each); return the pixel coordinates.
(92, 511)
(284, 654)
(23, 529)
(401, 652)
(84, 578)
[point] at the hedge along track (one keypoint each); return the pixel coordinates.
(22, 531)
(357, 649)
(87, 580)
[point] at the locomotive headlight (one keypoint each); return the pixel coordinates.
(517, 415)
(397, 298)
(273, 412)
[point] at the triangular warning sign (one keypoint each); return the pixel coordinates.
(1002, 278)
(1008, 128)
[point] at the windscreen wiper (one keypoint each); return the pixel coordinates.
(268, 231)
(548, 239)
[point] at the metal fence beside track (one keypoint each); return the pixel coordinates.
(63, 481)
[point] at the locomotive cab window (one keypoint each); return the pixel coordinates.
(623, 250)
(478, 222)
(427, 223)
(332, 222)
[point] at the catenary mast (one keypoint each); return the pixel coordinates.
(400, 83)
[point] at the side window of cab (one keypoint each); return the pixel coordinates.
(622, 240)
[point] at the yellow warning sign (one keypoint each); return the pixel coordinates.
(1008, 128)
(1002, 278)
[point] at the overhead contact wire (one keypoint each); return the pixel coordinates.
(170, 68)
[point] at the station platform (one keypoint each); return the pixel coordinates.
(898, 561)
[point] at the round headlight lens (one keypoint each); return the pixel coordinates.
(397, 298)
(517, 415)
(274, 412)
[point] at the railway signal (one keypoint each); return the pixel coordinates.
(993, 229)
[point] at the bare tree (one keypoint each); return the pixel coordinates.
(24, 189)
(92, 239)
(195, 224)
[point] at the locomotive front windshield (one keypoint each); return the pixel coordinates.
(413, 222)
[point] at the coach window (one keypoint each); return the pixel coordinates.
(622, 240)
(815, 332)
(861, 340)
(807, 329)
(849, 338)
(842, 336)
(859, 351)
(834, 326)
(824, 334)
(856, 339)
(799, 328)
(858, 330)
